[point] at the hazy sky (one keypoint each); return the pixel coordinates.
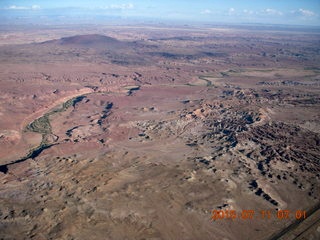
(302, 12)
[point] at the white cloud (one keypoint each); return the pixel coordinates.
(270, 11)
(248, 12)
(206, 11)
(303, 14)
(119, 6)
(306, 13)
(35, 7)
(231, 10)
(14, 7)
(122, 6)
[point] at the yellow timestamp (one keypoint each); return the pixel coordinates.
(248, 214)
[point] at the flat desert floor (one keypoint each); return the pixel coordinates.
(153, 132)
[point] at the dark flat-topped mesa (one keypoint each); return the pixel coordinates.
(87, 41)
(76, 48)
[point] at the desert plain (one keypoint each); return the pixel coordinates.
(144, 132)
